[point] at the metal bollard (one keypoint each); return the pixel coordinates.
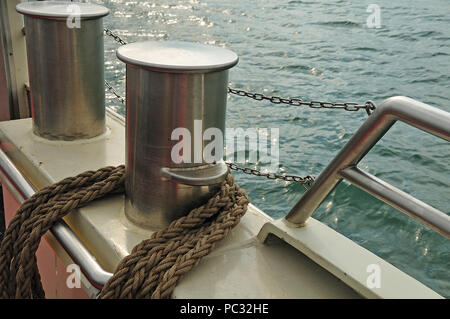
(66, 68)
(172, 85)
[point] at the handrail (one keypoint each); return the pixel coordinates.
(422, 116)
(89, 266)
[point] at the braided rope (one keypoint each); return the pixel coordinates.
(154, 266)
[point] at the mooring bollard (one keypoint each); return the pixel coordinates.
(66, 68)
(176, 101)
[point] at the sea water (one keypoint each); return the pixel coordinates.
(330, 50)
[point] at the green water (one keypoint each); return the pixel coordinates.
(324, 50)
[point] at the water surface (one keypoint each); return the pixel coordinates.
(324, 50)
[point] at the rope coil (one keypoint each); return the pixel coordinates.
(154, 266)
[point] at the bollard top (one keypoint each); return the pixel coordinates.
(177, 56)
(62, 9)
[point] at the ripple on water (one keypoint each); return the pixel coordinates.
(344, 23)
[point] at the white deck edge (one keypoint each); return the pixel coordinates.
(333, 251)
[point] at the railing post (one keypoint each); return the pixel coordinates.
(350, 154)
(414, 113)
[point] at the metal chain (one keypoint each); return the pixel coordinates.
(111, 89)
(121, 42)
(305, 181)
(369, 106)
(308, 180)
(114, 36)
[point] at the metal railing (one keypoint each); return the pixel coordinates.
(344, 165)
(76, 250)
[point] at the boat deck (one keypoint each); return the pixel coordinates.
(310, 262)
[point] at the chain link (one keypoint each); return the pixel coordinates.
(369, 106)
(305, 181)
(121, 42)
(114, 36)
(111, 89)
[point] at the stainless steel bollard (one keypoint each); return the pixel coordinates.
(172, 85)
(66, 68)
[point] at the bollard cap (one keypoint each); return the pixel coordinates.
(60, 9)
(177, 56)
